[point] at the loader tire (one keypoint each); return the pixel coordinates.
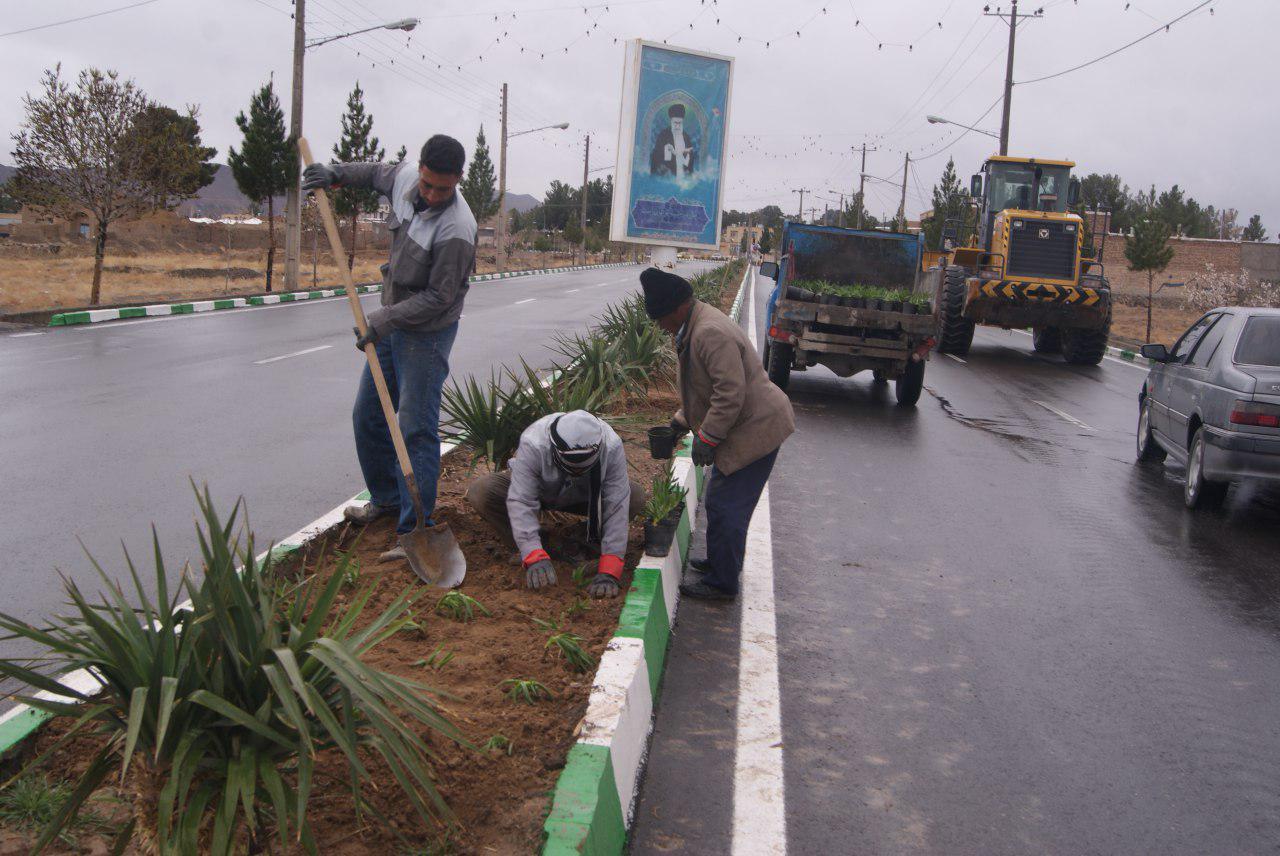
(1046, 340)
(1085, 347)
(955, 334)
(780, 357)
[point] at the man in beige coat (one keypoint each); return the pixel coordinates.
(739, 420)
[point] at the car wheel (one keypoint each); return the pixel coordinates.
(1199, 492)
(1149, 449)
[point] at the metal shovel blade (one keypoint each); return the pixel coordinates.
(434, 555)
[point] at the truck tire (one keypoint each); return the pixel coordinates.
(1085, 347)
(907, 388)
(955, 334)
(1046, 340)
(780, 357)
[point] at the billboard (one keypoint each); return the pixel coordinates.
(671, 147)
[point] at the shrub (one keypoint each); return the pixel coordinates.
(1213, 288)
(665, 496)
(215, 712)
(526, 690)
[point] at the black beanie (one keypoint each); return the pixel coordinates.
(663, 292)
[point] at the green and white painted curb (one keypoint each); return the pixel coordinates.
(595, 795)
(190, 307)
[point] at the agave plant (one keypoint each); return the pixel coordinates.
(620, 318)
(665, 497)
(480, 420)
(215, 711)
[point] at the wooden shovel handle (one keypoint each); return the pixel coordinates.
(375, 367)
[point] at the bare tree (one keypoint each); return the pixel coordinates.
(82, 150)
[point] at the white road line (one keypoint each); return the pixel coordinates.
(957, 359)
(294, 354)
(21, 335)
(526, 300)
(759, 816)
(1063, 415)
(573, 291)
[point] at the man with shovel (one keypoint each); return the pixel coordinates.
(571, 462)
(424, 283)
(739, 420)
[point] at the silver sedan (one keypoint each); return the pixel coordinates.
(1212, 402)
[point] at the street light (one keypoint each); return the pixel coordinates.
(293, 196)
(501, 237)
(938, 120)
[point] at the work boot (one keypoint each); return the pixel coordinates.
(368, 512)
(700, 566)
(395, 554)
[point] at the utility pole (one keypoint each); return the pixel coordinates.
(812, 214)
(862, 184)
(502, 189)
(293, 196)
(800, 213)
(1012, 21)
(902, 206)
(586, 162)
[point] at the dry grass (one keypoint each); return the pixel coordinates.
(1168, 322)
(34, 283)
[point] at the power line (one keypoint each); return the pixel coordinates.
(81, 18)
(1136, 41)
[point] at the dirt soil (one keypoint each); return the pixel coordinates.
(1168, 322)
(501, 799)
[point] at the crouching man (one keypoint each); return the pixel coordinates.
(570, 462)
(739, 420)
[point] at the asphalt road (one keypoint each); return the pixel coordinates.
(104, 424)
(996, 633)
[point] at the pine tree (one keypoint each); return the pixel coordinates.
(266, 162)
(401, 155)
(358, 145)
(1254, 231)
(950, 207)
(479, 188)
(1147, 249)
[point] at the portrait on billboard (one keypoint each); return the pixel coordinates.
(671, 147)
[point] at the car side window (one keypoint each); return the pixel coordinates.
(1191, 338)
(1209, 342)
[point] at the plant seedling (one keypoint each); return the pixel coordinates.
(459, 606)
(32, 801)
(438, 660)
(582, 576)
(579, 606)
(347, 566)
(526, 690)
(570, 646)
(665, 497)
(500, 743)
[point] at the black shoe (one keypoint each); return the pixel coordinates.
(705, 591)
(700, 566)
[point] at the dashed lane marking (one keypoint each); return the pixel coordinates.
(1133, 365)
(526, 300)
(294, 354)
(1064, 415)
(21, 335)
(759, 816)
(573, 291)
(957, 359)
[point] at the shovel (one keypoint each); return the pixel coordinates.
(433, 551)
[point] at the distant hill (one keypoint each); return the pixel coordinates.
(522, 202)
(5, 172)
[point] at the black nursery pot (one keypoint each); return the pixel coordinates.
(658, 536)
(662, 442)
(908, 308)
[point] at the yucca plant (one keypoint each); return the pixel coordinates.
(526, 690)
(480, 421)
(665, 496)
(459, 606)
(215, 712)
(620, 318)
(534, 397)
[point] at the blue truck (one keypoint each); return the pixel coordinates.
(849, 334)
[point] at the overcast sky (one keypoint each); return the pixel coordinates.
(1195, 105)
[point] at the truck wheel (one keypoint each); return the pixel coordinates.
(955, 334)
(1046, 340)
(1085, 347)
(780, 357)
(877, 377)
(1199, 492)
(907, 388)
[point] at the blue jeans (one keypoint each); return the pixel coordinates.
(416, 365)
(730, 502)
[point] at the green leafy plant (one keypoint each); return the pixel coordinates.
(569, 645)
(583, 575)
(526, 690)
(347, 566)
(618, 319)
(215, 712)
(480, 421)
(438, 660)
(32, 802)
(579, 606)
(665, 496)
(499, 743)
(459, 606)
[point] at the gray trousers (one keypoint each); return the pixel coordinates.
(488, 496)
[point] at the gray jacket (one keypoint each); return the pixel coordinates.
(536, 483)
(432, 252)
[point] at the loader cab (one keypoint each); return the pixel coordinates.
(1022, 184)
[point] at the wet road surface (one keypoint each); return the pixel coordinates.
(103, 424)
(997, 634)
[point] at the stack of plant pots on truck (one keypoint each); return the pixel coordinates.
(851, 300)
